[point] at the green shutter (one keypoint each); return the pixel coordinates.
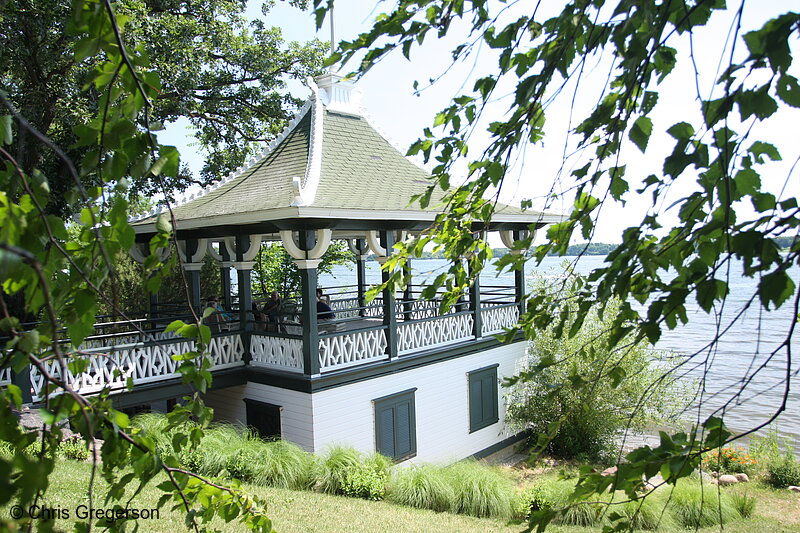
(395, 425)
(483, 408)
(385, 431)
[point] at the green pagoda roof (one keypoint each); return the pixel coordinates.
(331, 164)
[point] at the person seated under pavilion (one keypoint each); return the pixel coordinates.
(324, 311)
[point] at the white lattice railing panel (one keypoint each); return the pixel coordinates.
(141, 363)
(420, 309)
(348, 308)
(123, 339)
(5, 376)
(352, 348)
(447, 329)
(277, 352)
(495, 319)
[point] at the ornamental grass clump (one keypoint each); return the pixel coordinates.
(219, 444)
(480, 490)
(744, 504)
(580, 513)
(729, 460)
(284, 465)
(644, 514)
(696, 506)
(421, 486)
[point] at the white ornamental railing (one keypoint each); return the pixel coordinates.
(117, 339)
(342, 350)
(496, 319)
(348, 308)
(281, 353)
(419, 309)
(5, 376)
(433, 332)
(138, 362)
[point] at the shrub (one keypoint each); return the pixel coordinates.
(75, 449)
(575, 408)
(784, 472)
(530, 499)
(6, 449)
(695, 506)
(480, 490)
(241, 466)
(340, 461)
(191, 460)
(731, 460)
(769, 448)
(422, 486)
(364, 482)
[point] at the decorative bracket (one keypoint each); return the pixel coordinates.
(374, 242)
(507, 236)
(252, 250)
(297, 253)
(140, 255)
(197, 256)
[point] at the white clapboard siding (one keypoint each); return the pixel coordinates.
(345, 415)
(296, 414)
(228, 404)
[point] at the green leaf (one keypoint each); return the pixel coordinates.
(682, 131)
(789, 90)
(759, 148)
(163, 224)
(775, 288)
(640, 132)
(175, 325)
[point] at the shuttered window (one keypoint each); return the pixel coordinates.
(482, 398)
(395, 425)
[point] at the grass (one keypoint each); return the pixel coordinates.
(495, 494)
(306, 511)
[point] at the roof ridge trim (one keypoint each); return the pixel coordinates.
(307, 190)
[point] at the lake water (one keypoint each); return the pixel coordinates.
(748, 351)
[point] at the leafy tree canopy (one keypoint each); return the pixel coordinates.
(226, 74)
(725, 213)
(275, 270)
(61, 274)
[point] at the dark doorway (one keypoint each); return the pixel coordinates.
(265, 418)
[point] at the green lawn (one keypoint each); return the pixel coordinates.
(307, 512)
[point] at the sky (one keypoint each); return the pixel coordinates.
(389, 98)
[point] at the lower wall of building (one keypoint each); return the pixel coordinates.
(345, 415)
(296, 412)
